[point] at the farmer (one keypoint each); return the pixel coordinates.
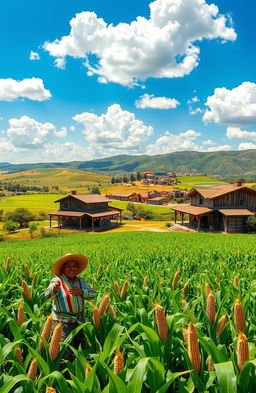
(69, 292)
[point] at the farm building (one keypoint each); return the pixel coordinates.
(88, 211)
(222, 208)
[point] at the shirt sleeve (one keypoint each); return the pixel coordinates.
(89, 293)
(49, 291)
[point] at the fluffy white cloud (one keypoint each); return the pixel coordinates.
(170, 142)
(237, 133)
(194, 111)
(236, 107)
(162, 46)
(246, 146)
(60, 63)
(208, 142)
(219, 148)
(150, 101)
(34, 56)
(115, 132)
(6, 146)
(64, 152)
(27, 133)
(32, 88)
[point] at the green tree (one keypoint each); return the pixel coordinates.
(21, 215)
(132, 177)
(95, 190)
(1, 214)
(32, 228)
(10, 226)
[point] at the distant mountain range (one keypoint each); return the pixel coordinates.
(224, 163)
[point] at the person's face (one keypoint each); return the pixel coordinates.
(70, 270)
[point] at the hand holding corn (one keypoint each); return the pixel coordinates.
(76, 291)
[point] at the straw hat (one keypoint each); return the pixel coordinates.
(81, 261)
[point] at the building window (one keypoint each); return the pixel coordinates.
(201, 201)
(65, 205)
(241, 202)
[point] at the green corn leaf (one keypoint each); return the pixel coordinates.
(226, 377)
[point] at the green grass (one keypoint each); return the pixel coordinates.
(161, 212)
(197, 179)
(33, 202)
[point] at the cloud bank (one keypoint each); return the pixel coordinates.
(32, 88)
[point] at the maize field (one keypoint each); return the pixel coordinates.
(174, 313)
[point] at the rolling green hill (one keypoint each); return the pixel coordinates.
(224, 163)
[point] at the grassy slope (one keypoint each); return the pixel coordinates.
(33, 202)
(66, 179)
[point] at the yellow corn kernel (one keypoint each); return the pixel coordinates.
(161, 322)
(193, 348)
(55, 341)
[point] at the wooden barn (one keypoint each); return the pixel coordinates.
(87, 211)
(222, 208)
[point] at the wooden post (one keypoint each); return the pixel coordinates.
(182, 215)
(175, 216)
(50, 221)
(80, 222)
(199, 219)
(92, 225)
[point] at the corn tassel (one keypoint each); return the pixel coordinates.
(32, 370)
(88, 369)
(221, 324)
(175, 279)
(18, 354)
(55, 341)
(242, 350)
(124, 289)
(26, 290)
(111, 311)
(50, 390)
(183, 303)
(35, 277)
(161, 322)
(239, 316)
(185, 288)
(99, 269)
(117, 289)
(210, 308)
(20, 316)
(207, 289)
(210, 364)
(7, 264)
(235, 282)
(46, 332)
(193, 348)
(104, 304)
(96, 317)
(118, 362)
(27, 272)
(145, 281)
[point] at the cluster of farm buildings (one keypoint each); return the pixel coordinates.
(222, 208)
(153, 197)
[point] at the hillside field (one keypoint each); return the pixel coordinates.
(157, 267)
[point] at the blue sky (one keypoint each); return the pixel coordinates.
(150, 77)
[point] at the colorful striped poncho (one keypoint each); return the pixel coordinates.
(66, 307)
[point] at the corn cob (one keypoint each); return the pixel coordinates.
(104, 304)
(50, 390)
(27, 272)
(242, 350)
(161, 322)
(46, 331)
(96, 317)
(185, 334)
(88, 369)
(7, 264)
(99, 270)
(145, 281)
(193, 348)
(185, 288)
(210, 364)
(26, 290)
(221, 324)
(20, 316)
(210, 308)
(175, 279)
(118, 362)
(235, 282)
(111, 311)
(117, 289)
(239, 316)
(55, 341)
(32, 370)
(207, 289)
(124, 289)
(18, 354)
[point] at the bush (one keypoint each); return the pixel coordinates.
(32, 228)
(168, 225)
(10, 226)
(43, 232)
(251, 225)
(42, 216)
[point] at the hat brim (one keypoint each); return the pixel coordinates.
(81, 261)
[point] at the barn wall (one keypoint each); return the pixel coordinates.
(240, 198)
(235, 224)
